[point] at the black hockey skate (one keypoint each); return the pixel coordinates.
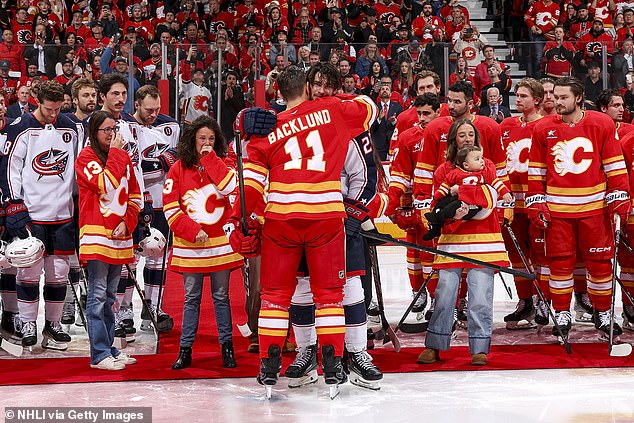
(332, 366)
(7, 323)
(564, 322)
(523, 317)
(602, 324)
(68, 312)
(628, 317)
(54, 337)
(127, 323)
(584, 313)
(29, 334)
(303, 371)
(362, 371)
(420, 304)
(270, 369)
(461, 313)
(542, 317)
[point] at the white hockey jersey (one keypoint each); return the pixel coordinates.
(38, 167)
(194, 101)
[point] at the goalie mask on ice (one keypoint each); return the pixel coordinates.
(255, 121)
(24, 252)
(153, 244)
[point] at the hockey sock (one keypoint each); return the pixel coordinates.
(579, 276)
(8, 293)
(356, 336)
(303, 322)
(600, 284)
(330, 325)
(272, 327)
(129, 291)
(543, 278)
(28, 300)
(151, 284)
(54, 295)
(561, 290)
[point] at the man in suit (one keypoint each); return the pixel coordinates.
(495, 110)
(382, 129)
(21, 106)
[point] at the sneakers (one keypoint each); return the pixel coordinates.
(125, 359)
(602, 320)
(542, 317)
(421, 302)
(332, 366)
(522, 317)
(428, 356)
(68, 312)
(479, 359)
(363, 372)
(564, 321)
(109, 363)
(584, 312)
(29, 334)
(628, 317)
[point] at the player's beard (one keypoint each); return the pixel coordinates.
(563, 110)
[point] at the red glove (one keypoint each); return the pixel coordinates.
(407, 218)
(248, 245)
(619, 202)
(539, 214)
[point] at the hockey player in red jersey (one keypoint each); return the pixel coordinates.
(399, 208)
(611, 103)
(516, 138)
(302, 158)
(577, 182)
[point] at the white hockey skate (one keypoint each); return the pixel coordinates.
(54, 337)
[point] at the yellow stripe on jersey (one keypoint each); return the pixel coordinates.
(617, 172)
(274, 313)
(576, 208)
(304, 208)
(329, 311)
(255, 185)
(259, 169)
(94, 229)
(193, 263)
(223, 184)
(471, 238)
(487, 257)
(106, 252)
(576, 191)
(330, 330)
(211, 242)
(298, 186)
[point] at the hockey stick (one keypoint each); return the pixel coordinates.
(389, 333)
(388, 238)
(146, 306)
(13, 349)
(414, 327)
(163, 274)
(620, 281)
(618, 350)
(540, 293)
(81, 311)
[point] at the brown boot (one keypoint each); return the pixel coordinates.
(253, 347)
(479, 359)
(428, 356)
(289, 347)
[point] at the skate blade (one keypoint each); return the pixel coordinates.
(420, 316)
(582, 318)
(357, 380)
(13, 349)
(620, 350)
(120, 343)
(374, 319)
(521, 325)
(307, 379)
(51, 344)
(333, 391)
(146, 325)
(130, 338)
(268, 391)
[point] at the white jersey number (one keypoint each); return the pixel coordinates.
(315, 163)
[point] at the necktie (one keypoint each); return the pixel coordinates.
(25, 109)
(385, 110)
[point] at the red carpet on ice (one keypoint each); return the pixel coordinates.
(207, 363)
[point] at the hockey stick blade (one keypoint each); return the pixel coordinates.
(620, 350)
(414, 327)
(390, 336)
(13, 349)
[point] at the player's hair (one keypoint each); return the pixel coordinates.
(291, 83)
(428, 99)
(95, 121)
(486, 46)
(421, 75)
(575, 85)
(461, 155)
(532, 85)
(186, 148)
(330, 76)
(51, 91)
(108, 80)
(547, 81)
(452, 147)
(81, 83)
(147, 91)
(464, 87)
(605, 97)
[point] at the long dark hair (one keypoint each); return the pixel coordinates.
(452, 147)
(186, 148)
(95, 121)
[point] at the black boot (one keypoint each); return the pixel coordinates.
(228, 358)
(184, 359)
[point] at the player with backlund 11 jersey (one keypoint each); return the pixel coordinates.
(302, 158)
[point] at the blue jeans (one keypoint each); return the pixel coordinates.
(191, 311)
(539, 41)
(479, 314)
(103, 279)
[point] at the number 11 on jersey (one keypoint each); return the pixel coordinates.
(315, 162)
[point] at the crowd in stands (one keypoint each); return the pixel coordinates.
(368, 40)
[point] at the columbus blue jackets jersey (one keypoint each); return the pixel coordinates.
(153, 141)
(38, 167)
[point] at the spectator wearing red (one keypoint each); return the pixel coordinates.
(97, 42)
(604, 10)
(229, 58)
(143, 27)
(22, 27)
(448, 13)
(481, 76)
(187, 13)
(67, 77)
(541, 19)
(366, 58)
(302, 31)
(371, 83)
(345, 69)
(582, 24)
(169, 25)
(590, 45)
(311, 7)
(53, 21)
(274, 23)
(78, 27)
(252, 29)
(155, 62)
(13, 53)
(246, 13)
(386, 10)
(8, 86)
(216, 20)
(627, 31)
(559, 55)
(424, 26)
(455, 25)
(397, 45)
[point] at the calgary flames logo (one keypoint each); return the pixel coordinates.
(514, 162)
(564, 153)
(469, 53)
(214, 27)
(201, 102)
(542, 18)
(24, 36)
(50, 163)
(196, 200)
(115, 201)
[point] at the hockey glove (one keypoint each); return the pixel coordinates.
(255, 121)
(407, 218)
(147, 212)
(619, 202)
(538, 211)
(248, 245)
(357, 214)
(505, 214)
(423, 207)
(17, 218)
(167, 159)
